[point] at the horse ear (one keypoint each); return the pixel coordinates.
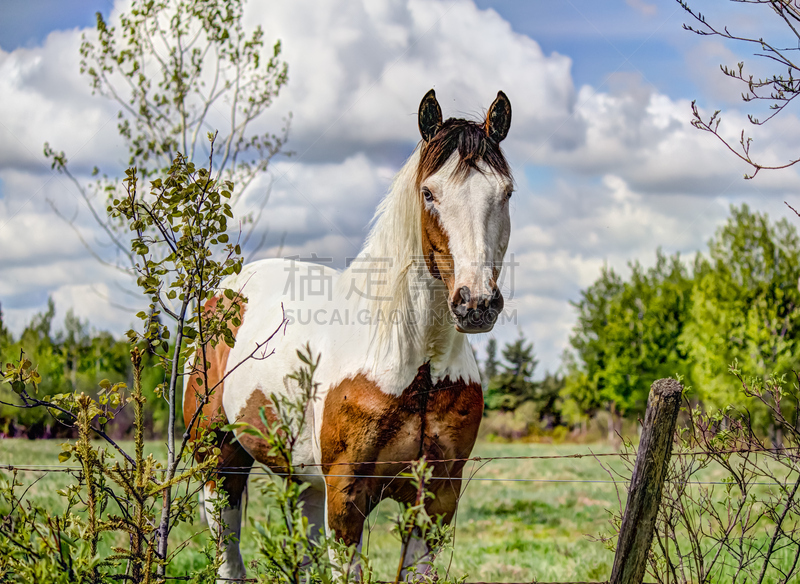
(498, 119)
(430, 116)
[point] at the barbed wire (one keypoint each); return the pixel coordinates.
(265, 472)
(576, 455)
(546, 457)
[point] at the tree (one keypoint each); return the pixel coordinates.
(778, 89)
(172, 66)
(627, 336)
(512, 386)
(746, 304)
(183, 254)
(4, 334)
(41, 346)
(76, 346)
(547, 395)
(491, 365)
(587, 359)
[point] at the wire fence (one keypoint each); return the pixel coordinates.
(257, 470)
(328, 470)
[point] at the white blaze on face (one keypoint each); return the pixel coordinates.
(473, 213)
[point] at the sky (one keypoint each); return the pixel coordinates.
(607, 166)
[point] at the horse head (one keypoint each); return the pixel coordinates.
(464, 184)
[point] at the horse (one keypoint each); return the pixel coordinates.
(397, 377)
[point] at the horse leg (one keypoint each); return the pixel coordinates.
(347, 507)
(313, 501)
(418, 557)
(227, 521)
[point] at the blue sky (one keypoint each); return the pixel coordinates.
(600, 37)
(603, 37)
(608, 167)
(27, 24)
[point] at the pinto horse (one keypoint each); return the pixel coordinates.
(397, 376)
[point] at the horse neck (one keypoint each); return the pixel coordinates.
(393, 253)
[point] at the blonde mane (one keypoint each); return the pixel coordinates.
(391, 254)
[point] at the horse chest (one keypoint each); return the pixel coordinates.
(364, 425)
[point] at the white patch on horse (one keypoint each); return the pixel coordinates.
(231, 519)
(474, 214)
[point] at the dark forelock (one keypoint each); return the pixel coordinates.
(473, 145)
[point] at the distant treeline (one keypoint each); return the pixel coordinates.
(737, 304)
(73, 359)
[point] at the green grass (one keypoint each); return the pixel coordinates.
(505, 530)
(542, 529)
(521, 531)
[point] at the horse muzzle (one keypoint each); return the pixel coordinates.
(476, 314)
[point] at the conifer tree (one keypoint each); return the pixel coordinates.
(512, 386)
(491, 366)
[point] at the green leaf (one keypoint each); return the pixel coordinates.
(234, 426)
(252, 432)
(64, 456)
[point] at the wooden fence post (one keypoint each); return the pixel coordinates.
(649, 472)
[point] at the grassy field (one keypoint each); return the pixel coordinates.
(506, 530)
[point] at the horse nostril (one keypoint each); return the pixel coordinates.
(460, 303)
(496, 303)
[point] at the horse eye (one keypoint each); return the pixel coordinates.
(427, 194)
(509, 193)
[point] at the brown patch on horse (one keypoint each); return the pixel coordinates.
(436, 248)
(195, 393)
(361, 423)
(211, 392)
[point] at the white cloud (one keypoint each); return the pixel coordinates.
(104, 307)
(358, 71)
(45, 99)
(603, 176)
